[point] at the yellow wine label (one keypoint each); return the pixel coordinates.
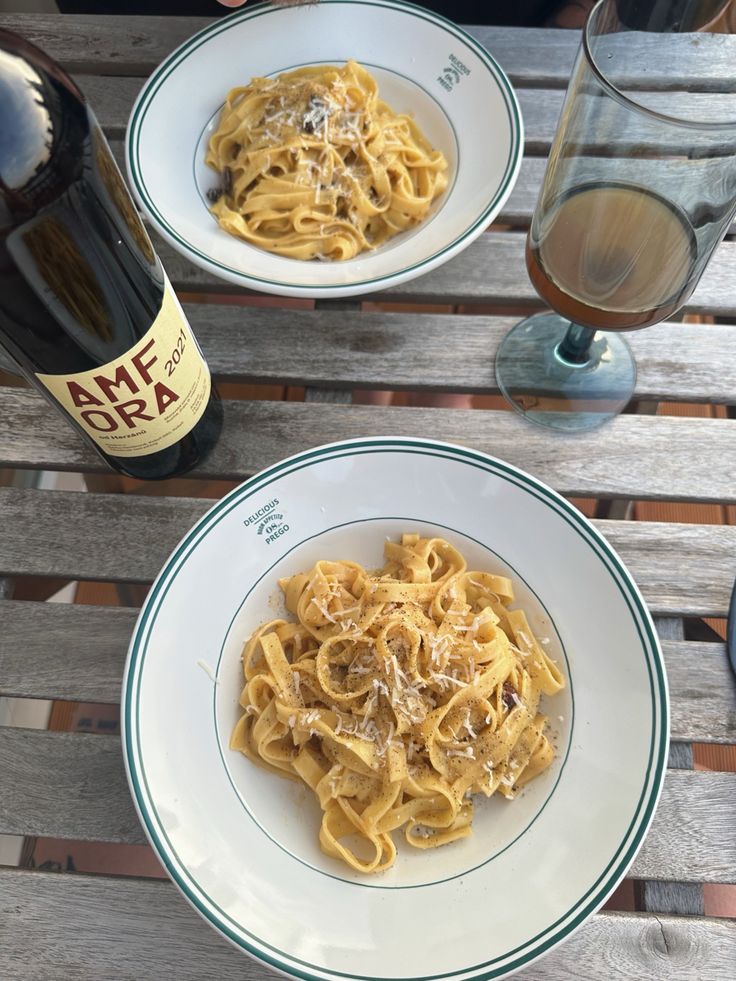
(149, 397)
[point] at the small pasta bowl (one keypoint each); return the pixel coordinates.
(242, 844)
(426, 67)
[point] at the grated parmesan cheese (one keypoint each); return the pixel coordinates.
(323, 610)
(437, 676)
(467, 726)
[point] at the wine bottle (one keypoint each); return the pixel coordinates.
(87, 313)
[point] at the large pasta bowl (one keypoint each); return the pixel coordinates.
(425, 66)
(242, 843)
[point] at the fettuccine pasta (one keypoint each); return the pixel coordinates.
(396, 696)
(314, 165)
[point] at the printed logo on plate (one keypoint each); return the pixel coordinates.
(268, 521)
(452, 73)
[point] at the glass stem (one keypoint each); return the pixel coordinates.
(575, 345)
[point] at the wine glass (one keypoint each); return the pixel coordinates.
(640, 188)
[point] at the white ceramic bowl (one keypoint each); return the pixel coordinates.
(242, 844)
(424, 65)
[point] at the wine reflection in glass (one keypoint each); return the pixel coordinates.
(633, 203)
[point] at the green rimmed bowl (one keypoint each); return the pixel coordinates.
(424, 65)
(242, 844)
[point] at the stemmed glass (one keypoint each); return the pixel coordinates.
(640, 188)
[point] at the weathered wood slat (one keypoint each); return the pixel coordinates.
(490, 271)
(653, 552)
(441, 352)
(679, 898)
(332, 396)
(257, 434)
(691, 830)
(105, 45)
(536, 57)
(85, 769)
(72, 785)
(530, 56)
(90, 927)
(53, 650)
(702, 692)
(112, 98)
(680, 756)
(685, 570)
(58, 650)
(541, 109)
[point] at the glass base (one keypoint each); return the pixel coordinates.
(559, 394)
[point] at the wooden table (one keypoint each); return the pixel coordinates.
(72, 786)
